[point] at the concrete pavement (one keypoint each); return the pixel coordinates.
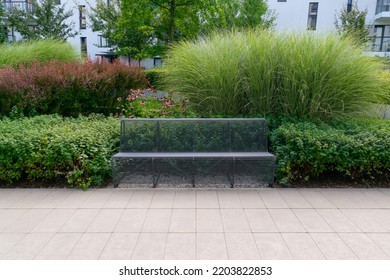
(195, 224)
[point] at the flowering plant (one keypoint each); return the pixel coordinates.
(146, 104)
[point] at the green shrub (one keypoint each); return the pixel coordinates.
(358, 149)
(259, 72)
(67, 88)
(52, 147)
(26, 53)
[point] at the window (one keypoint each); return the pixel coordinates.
(103, 42)
(83, 18)
(349, 6)
(312, 17)
(83, 46)
(382, 6)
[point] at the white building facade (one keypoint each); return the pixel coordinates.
(295, 15)
(320, 16)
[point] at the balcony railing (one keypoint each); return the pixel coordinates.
(382, 6)
(20, 5)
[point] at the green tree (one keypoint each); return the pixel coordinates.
(47, 19)
(143, 28)
(353, 24)
(228, 14)
(2, 25)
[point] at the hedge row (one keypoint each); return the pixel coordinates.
(52, 147)
(356, 149)
(79, 149)
(67, 88)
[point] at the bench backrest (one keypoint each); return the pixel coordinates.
(193, 135)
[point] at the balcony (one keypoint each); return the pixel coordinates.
(20, 5)
(382, 13)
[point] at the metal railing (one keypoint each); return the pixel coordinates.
(20, 5)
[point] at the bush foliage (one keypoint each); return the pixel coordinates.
(68, 89)
(52, 147)
(259, 72)
(25, 53)
(357, 149)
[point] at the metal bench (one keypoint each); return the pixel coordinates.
(189, 152)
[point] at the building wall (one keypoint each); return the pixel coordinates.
(293, 14)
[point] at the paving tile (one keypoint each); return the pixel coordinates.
(8, 241)
(272, 246)
(75, 199)
(80, 220)
(185, 199)
(31, 199)
(54, 221)
(302, 247)
(260, 220)
(211, 246)
(241, 246)
(332, 246)
(53, 199)
(150, 246)
(157, 220)
(141, 199)
(97, 198)
(28, 247)
(228, 199)
(272, 199)
(59, 247)
(234, 220)
(363, 247)
(106, 220)
(181, 246)
(7, 200)
(376, 195)
(183, 220)
(359, 198)
(286, 221)
(120, 246)
(118, 199)
(27, 222)
(132, 220)
(312, 221)
(163, 199)
(207, 199)
(364, 221)
(382, 216)
(8, 216)
(89, 247)
(338, 198)
(382, 240)
(315, 198)
(208, 220)
(250, 199)
(337, 220)
(294, 199)
(385, 191)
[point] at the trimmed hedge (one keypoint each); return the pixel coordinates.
(357, 149)
(80, 149)
(52, 147)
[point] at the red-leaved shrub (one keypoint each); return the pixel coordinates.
(67, 88)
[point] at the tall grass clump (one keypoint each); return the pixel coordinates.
(258, 72)
(26, 53)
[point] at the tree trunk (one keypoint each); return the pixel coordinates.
(172, 21)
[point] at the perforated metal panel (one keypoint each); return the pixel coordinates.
(193, 152)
